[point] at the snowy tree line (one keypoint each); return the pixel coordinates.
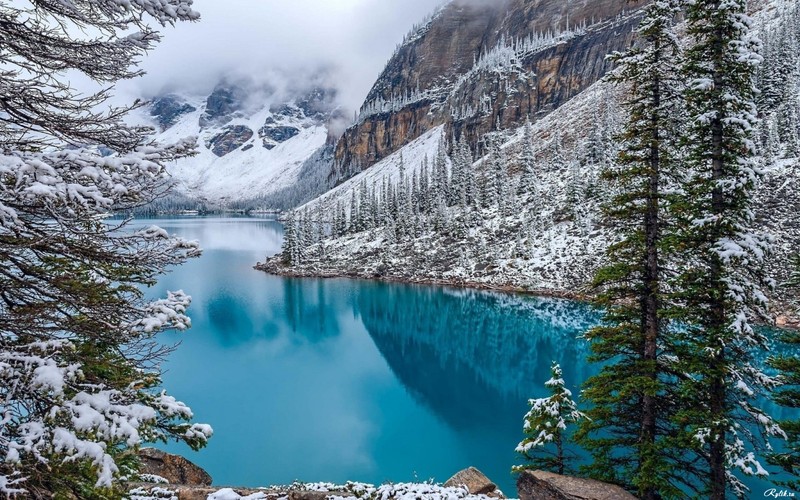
(452, 194)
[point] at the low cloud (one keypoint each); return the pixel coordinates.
(282, 43)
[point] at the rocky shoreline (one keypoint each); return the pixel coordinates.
(274, 267)
(784, 315)
(165, 476)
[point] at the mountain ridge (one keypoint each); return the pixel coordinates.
(476, 67)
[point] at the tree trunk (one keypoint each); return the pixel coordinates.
(650, 300)
(717, 316)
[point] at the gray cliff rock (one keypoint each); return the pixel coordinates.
(272, 135)
(222, 105)
(168, 109)
(479, 65)
(230, 139)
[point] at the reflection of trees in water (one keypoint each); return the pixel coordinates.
(306, 312)
(474, 357)
(308, 305)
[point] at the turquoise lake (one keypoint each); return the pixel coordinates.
(336, 380)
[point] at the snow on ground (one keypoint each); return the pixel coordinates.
(349, 491)
(411, 155)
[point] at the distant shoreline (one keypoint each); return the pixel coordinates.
(783, 316)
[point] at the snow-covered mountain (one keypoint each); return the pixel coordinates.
(254, 143)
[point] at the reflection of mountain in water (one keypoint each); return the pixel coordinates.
(474, 357)
(238, 316)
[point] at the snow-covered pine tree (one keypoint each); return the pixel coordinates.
(441, 180)
(789, 129)
(354, 225)
(457, 176)
(778, 74)
(304, 237)
(596, 146)
(375, 203)
(497, 182)
(79, 383)
(339, 224)
(575, 187)
(343, 228)
(470, 185)
(720, 283)
(629, 424)
(334, 220)
(318, 232)
(415, 193)
(425, 194)
(403, 201)
(529, 177)
(366, 220)
(288, 248)
(547, 428)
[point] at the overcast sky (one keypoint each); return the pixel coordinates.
(354, 38)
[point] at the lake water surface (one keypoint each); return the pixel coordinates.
(336, 380)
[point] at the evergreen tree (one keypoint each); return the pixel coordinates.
(547, 428)
(496, 191)
(528, 178)
(720, 282)
(469, 182)
(441, 180)
(339, 226)
(791, 126)
(303, 238)
(426, 198)
(354, 226)
(415, 194)
(79, 373)
(365, 220)
(343, 228)
(289, 246)
(629, 425)
(403, 201)
(458, 176)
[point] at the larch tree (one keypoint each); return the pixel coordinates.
(720, 286)
(628, 426)
(79, 365)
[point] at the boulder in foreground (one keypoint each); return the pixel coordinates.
(540, 485)
(476, 482)
(175, 469)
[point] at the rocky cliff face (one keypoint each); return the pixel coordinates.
(477, 65)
